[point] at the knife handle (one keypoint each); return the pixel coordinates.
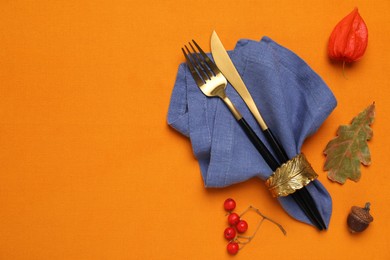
(259, 145)
(276, 146)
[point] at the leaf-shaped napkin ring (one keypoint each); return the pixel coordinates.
(291, 176)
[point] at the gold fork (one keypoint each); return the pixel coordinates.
(213, 84)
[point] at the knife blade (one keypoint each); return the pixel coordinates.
(226, 66)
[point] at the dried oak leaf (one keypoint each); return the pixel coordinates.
(345, 152)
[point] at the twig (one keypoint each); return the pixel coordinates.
(240, 238)
(265, 217)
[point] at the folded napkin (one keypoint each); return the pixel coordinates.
(292, 98)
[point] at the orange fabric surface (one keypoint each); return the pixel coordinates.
(89, 168)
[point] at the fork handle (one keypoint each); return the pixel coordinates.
(302, 197)
(276, 146)
(259, 145)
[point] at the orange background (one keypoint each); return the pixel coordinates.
(89, 168)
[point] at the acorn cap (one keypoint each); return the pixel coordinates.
(363, 214)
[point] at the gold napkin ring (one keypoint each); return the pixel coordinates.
(291, 176)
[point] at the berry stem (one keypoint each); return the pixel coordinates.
(249, 238)
(264, 217)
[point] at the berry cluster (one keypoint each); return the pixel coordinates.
(236, 225)
(239, 225)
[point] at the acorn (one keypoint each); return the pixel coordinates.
(359, 218)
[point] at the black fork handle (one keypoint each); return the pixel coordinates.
(259, 145)
(276, 146)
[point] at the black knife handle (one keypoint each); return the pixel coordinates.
(263, 150)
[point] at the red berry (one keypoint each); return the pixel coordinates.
(230, 233)
(229, 204)
(242, 226)
(233, 219)
(232, 248)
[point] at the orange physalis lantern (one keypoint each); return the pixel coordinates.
(349, 38)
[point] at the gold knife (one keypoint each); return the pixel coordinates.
(226, 66)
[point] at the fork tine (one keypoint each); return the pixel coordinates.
(199, 81)
(202, 63)
(209, 62)
(197, 64)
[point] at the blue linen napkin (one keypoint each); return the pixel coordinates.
(292, 98)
